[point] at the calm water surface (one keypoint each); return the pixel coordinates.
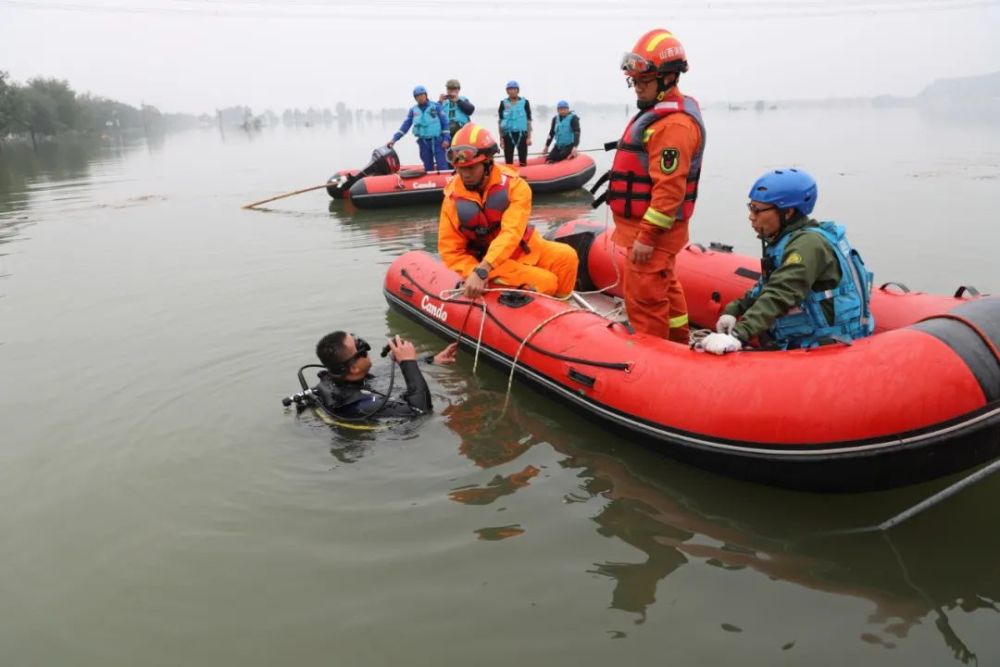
(158, 507)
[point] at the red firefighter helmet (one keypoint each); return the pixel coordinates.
(657, 52)
(470, 145)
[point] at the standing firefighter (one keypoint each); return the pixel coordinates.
(653, 184)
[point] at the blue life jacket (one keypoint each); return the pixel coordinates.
(564, 131)
(453, 113)
(426, 121)
(515, 118)
(807, 326)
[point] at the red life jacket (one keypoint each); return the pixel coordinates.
(480, 225)
(629, 185)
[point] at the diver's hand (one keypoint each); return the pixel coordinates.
(447, 355)
(402, 350)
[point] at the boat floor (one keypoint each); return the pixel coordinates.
(607, 306)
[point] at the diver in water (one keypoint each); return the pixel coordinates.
(345, 390)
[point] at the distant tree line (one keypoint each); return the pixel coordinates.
(45, 107)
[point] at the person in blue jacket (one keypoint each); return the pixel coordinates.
(431, 129)
(515, 124)
(566, 132)
(457, 108)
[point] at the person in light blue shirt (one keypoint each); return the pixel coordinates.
(431, 129)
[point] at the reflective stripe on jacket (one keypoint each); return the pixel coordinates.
(629, 184)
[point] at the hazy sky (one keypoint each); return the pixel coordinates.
(197, 55)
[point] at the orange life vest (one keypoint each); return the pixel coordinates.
(480, 224)
(629, 185)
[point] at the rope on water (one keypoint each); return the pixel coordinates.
(452, 294)
(517, 355)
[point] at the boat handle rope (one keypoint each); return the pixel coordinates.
(517, 355)
(613, 365)
(452, 296)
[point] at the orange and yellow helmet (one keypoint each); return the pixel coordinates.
(657, 53)
(470, 145)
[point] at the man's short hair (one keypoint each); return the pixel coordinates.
(332, 350)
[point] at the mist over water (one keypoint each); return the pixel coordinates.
(158, 506)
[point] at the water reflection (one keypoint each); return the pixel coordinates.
(939, 563)
(59, 170)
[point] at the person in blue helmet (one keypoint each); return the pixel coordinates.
(565, 130)
(814, 288)
(515, 124)
(431, 129)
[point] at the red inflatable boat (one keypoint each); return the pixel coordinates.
(413, 185)
(919, 399)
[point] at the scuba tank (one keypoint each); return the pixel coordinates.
(327, 396)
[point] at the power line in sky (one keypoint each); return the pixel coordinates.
(585, 10)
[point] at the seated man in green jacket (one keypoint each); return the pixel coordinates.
(814, 287)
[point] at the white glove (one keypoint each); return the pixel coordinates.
(725, 324)
(720, 343)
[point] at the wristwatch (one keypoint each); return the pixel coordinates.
(481, 272)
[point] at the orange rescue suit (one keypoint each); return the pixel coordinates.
(545, 266)
(654, 298)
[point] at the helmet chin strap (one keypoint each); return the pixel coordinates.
(661, 91)
(487, 168)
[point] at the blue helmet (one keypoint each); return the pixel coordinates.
(419, 90)
(513, 84)
(563, 104)
(786, 188)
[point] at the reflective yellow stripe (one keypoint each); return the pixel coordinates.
(656, 40)
(474, 134)
(330, 420)
(647, 134)
(659, 219)
(679, 321)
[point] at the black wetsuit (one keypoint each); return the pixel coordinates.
(359, 400)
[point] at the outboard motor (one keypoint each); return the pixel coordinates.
(384, 161)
